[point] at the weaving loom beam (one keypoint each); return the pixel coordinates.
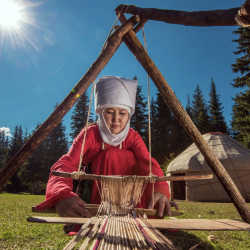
(81, 175)
(180, 224)
(92, 208)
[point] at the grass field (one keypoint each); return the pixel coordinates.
(17, 233)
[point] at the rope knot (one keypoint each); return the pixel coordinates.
(151, 178)
(75, 175)
(243, 16)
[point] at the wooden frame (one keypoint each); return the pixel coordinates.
(126, 34)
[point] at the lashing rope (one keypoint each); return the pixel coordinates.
(85, 132)
(149, 124)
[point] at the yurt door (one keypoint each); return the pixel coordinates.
(179, 192)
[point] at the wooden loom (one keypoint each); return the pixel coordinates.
(126, 33)
(117, 222)
(119, 225)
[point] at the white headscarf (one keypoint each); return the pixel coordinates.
(117, 92)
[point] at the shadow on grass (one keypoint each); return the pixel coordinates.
(185, 240)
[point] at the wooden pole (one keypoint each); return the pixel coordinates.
(229, 17)
(82, 175)
(42, 132)
(92, 208)
(183, 118)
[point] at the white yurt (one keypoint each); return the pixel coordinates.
(234, 157)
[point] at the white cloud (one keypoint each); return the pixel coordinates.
(6, 131)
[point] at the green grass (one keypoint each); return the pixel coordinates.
(17, 233)
(223, 239)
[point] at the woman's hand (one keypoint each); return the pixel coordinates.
(164, 204)
(72, 207)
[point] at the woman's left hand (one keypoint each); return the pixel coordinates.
(164, 204)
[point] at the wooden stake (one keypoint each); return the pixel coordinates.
(43, 131)
(183, 118)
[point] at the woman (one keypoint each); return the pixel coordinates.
(112, 148)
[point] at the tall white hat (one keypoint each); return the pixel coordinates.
(111, 91)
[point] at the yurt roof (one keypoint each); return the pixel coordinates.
(232, 155)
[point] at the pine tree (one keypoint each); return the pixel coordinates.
(180, 140)
(186, 138)
(139, 120)
(79, 116)
(218, 123)
(168, 136)
(162, 130)
(35, 172)
(26, 137)
(188, 107)
(153, 116)
(3, 149)
(15, 144)
(199, 112)
(241, 108)
(153, 110)
(56, 143)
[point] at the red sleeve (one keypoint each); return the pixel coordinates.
(59, 188)
(141, 152)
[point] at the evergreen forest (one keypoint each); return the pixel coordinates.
(168, 138)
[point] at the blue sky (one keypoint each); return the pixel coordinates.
(45, 55)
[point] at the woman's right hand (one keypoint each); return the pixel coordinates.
(72, 207)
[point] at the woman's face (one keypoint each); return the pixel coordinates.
(116, 119)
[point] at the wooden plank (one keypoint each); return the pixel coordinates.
(59, 220)
(81, 175)
(185, 121)
(183, 224)
(92, 208)
(202, 224)
(43, 131)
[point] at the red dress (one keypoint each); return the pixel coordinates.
(132, 159)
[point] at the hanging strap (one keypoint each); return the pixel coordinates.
(149, 123)
(149, 127)
(112, 29)
(86, 128)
